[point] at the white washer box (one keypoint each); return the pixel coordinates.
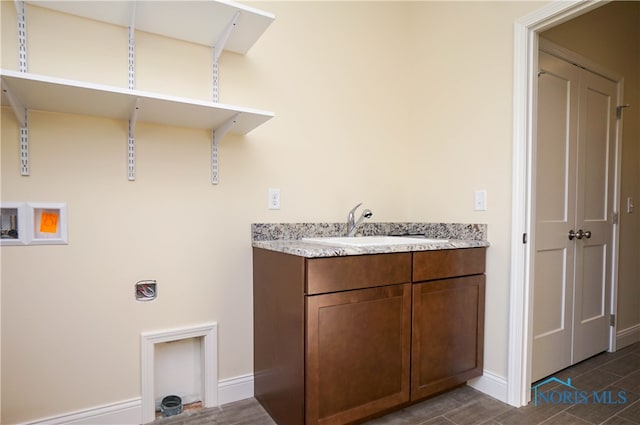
(34, 223)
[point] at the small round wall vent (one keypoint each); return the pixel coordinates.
(171, 405)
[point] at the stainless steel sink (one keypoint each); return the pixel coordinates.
(364, 241)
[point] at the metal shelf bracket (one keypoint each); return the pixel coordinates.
(22, 116)
(217, 50)
(217, 135)
(224, 37)
(18, 108)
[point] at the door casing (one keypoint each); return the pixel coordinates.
(526, 31)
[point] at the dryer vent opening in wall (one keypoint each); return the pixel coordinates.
(179, 362)
(178, 373)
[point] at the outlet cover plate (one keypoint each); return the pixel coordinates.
(274, 199)
(480, 200)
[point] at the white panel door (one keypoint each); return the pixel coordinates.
(573, 193)
(596, 156)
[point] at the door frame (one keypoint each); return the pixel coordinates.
(526, 45)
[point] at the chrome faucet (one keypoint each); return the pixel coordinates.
(352, 224)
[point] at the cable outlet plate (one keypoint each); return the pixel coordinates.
(146, 290)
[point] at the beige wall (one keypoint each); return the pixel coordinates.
(462, 122)
(610, 36)
(403, 106)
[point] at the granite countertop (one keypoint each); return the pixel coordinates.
(287, 237)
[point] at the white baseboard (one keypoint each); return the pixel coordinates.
(491, 384)
(229, 390)
(120, 413)
(129, 412)
(627, 336)
(234, 389)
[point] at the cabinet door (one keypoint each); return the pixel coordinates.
(448, 331)
(357, 353)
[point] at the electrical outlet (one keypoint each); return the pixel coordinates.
(480, 200)
(274, 199)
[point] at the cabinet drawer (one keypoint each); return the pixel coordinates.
(429, 265)
(333, 274)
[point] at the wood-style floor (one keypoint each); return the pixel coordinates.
(605, 372)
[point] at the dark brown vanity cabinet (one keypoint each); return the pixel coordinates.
(340, 339)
